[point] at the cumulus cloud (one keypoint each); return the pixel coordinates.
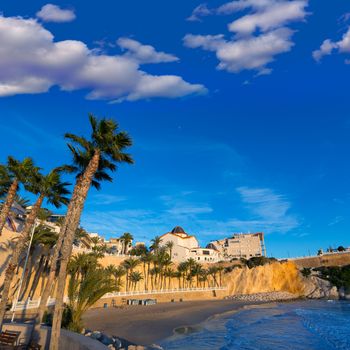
(250, 53)
(53, 13)
(258, 36)
(31, 61)
(329, 46)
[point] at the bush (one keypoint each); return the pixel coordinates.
(229, 269)
(306, 272)
(259, 261)
(47, 318)
(337, 276)
(67, 317)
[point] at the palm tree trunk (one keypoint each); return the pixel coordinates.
(12, 265)
(8, 204)
(67, 247)
(37, 276)
(145, 280)
(54, 261)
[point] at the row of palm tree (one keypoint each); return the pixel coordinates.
(158, 272)
(93, 159)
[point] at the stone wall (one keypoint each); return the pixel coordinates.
(333, 259)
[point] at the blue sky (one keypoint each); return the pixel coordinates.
(238, 110)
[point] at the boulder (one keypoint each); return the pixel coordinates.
(318, 288)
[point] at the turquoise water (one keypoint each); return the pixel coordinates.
(309, 325)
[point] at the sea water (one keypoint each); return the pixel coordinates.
(305, 325)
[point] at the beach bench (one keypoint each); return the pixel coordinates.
(9, 340)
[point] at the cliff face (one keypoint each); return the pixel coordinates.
(268, 278)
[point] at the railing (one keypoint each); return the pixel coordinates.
(317, 256)
(34, 304)
(162, 291)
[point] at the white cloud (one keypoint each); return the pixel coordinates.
(53, 13)
(106, 199)
(252, 53)
(329, 46)
(144, 53)
(263, 211)
(200, 11)
(274, 15)
(258, 36)
(31, 61)
(270, 210)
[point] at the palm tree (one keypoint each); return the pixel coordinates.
(191, 263)
(22, 201)
(52, 189)
(126, 238)
(146, 259)
(170, 245)
(117, 272)
(44, 214)
(92, 159)
(88, 283)
(12, 175)
(220, 268)
(197, 271)
(129, 265)
(156, 241)
(212, 271)
(82, 237)
(182, 269)
(5, 181)
(169, 274)
(44, 238)
(135, 277)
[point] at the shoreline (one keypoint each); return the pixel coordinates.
(149, 325)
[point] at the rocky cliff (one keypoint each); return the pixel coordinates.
(278, 277)
(268, 278)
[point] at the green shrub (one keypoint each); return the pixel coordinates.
(259, 261)
(306, 272)
(338, 276)
(67, 318)
(47, 318)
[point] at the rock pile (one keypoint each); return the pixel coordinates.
(258, 297)
(112, 343)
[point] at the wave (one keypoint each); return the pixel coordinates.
(309, 325)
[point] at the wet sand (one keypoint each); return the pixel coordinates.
(146, 325)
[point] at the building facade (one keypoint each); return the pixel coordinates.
(240, 245)
(185, 246)
(116, 246)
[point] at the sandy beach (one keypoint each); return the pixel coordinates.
(146, 325)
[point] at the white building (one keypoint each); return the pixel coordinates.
(186, 246)
(240, 245)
